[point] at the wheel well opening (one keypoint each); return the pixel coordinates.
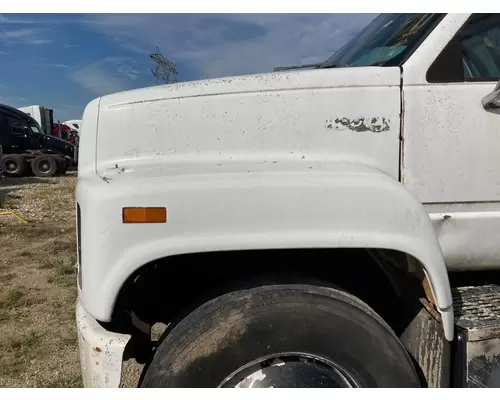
(392, 283)
(168, 289)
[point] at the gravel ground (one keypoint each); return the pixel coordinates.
(38, 345)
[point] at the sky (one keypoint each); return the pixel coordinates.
(63, 61)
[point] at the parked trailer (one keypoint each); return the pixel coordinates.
(301, 228)
(27, 149)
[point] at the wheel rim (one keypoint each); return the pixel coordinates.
(44, 166)
(10, 166)
(290, 370)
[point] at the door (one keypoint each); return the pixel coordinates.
(452, 144)
(18, 140)
(451, 151)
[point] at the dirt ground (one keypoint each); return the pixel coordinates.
(38, 345)
(38, 342)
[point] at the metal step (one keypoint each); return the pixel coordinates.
(477, 319)
(477, 310)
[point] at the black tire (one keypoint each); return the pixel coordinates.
(235, 329)
(44, 166)
(13, 165)
(62, 166)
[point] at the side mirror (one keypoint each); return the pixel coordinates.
(491, 102)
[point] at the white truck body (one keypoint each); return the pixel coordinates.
(41, 115)
(74, 124)
(362, 157)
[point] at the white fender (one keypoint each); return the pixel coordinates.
(298, 204)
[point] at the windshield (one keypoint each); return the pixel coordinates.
(35, 128)
(385, 41)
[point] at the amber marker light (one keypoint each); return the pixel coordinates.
(144, 215)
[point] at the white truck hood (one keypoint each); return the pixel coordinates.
(348, 113)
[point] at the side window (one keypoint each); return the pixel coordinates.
(472, 55)
(16, 126)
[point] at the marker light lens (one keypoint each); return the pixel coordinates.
(144, 215)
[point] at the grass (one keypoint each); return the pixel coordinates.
(19, 349)
(64, 268)
(27, 344)
(6, 278)
(66, 382)
(46, 264)
(61, 267)
(10, 366)
(25, 253)
(64, 271)
(14, 298)
(38, 343)
(5, 200)
(4, 315)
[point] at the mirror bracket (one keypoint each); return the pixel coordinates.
(491, 102)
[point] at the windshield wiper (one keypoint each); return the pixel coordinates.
(314, 66)
(325, 65)
(317, 65)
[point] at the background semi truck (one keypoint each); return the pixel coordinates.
(27, 149)
(74, 124)
(41, 114)
(329, 227)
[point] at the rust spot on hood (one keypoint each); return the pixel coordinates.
(372, 124)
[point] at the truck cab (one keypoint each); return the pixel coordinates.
(74, 124)
(41, 114)
(329, 227)
(26, 147)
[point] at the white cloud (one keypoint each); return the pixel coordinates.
(128, 71)
(9, 20)
(221, 45)
(112, 74)
(52, 65)
(39, 41)
(12, 101)
(16, 34)
(24, 36)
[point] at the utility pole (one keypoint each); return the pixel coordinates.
(165, 71)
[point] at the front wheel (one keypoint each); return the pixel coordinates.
(282, 336)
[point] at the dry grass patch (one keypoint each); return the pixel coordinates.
(38, 343)
(14, 298)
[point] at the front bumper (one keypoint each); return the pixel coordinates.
(101, 351)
